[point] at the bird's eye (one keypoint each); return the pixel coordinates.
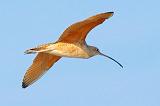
(97, 49)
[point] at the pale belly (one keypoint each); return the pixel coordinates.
(69, 50)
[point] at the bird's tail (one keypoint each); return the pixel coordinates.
(36, 50)
(32, 51)
(40, 48)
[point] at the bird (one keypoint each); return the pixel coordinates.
(71, 44)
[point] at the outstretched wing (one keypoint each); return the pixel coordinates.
(40, 65)
(78, 31)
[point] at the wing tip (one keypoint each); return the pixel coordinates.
(110, 14)
(105, 15)
(24, 85)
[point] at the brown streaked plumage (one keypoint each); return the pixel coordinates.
(70, 44)
(78, 31)
(40, 65)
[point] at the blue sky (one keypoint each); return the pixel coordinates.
(131, 36)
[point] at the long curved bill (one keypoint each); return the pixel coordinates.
(111, 59)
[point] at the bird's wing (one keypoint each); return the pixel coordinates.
(40, 65)
(78, 31)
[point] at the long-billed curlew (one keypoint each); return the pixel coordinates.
(70, 44)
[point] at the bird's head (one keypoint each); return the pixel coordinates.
(95, 51)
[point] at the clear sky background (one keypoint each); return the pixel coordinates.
(132, 36)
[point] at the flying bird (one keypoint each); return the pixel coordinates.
(70, 44)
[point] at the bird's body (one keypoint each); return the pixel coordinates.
(72, 50)
(70, 44)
